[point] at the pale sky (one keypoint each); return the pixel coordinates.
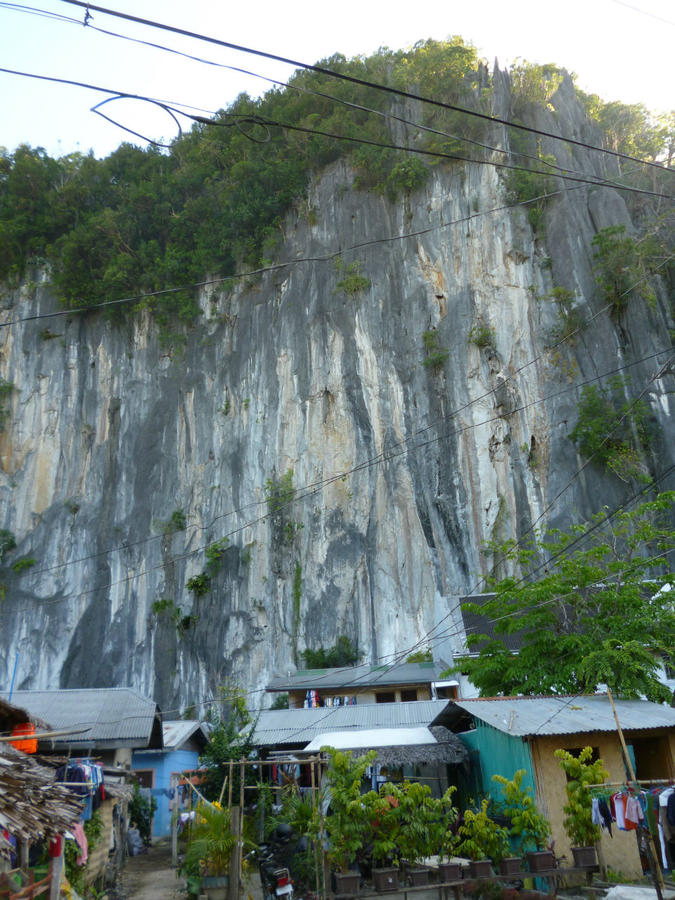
(620, 49)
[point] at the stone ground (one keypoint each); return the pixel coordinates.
(150, 876)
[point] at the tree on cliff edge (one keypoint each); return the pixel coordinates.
(595, 605)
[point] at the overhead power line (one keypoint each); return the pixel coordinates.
(300, 89)
(173, 110)
(322, 70)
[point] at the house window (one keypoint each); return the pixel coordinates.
(385, 697)
(407, 696)
(450, 692)
(146, 777)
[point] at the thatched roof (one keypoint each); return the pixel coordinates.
(11, 715)
(31, 805)
(448, 749)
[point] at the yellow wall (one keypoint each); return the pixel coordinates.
(620, 850)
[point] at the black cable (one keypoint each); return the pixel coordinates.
(261, 120)
(308, 491)
(353, 80)
(294, 87)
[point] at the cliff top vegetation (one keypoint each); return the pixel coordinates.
(144, 220)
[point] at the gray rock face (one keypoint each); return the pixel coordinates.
(401, 470)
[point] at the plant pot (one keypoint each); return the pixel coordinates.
(540, 860)
(215, 886)
(512, 865)
(346, 882)
(480, 868)
(450, 871)
(418, 876)
(584, 857)
(385, 879)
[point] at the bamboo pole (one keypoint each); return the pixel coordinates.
(316, 849)
(657, 874)
(242, 772)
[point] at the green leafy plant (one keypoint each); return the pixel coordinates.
(595, 614)
(528, 828)
(26, 562)
(612, 430)
(7, 542)
(347, 822)
(6, 388)
(622, 265)
(424, 821)
(211, 842)
(279, 492)
(76, 873)
(343, 653)
(214, 554)
(420, 656)
(177, 521)
(482, 335)
(199, 584)
(280, 702)
(353, 282)
(581, 771)
(436, 354)
(480, 837)
(382, 812)
(141, 811)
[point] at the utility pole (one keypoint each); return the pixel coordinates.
(657, 874)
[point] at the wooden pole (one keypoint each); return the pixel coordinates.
(235, 858)
(55, 873)
(229, 790)
(657, 874)
(316, 848)
(242, 778)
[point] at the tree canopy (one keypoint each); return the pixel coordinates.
(593, 605)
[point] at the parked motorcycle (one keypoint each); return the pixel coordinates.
(276, 863)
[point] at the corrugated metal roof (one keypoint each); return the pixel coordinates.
(300, 726)
(528, 716)
(354, 677)
(177, 732)
(119, 716)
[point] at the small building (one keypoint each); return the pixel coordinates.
(160, 769)
(109, 723)
(410, 738)
(505, 734)
(352, 685)
(34, 805)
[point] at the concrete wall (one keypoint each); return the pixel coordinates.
(164, 764)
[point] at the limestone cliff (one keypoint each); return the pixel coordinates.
(400, 469)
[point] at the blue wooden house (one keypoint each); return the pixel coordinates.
(160, 770)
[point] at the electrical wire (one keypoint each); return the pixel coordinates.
(297, 88)
(174, 111)
(352, 79)
(307, 491)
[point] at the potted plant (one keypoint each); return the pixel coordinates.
(210, 846)
(382, 811)
(421, 829)
(482, 840)
(529, 830)
(583, 834)
(448, 868)
(347, 822)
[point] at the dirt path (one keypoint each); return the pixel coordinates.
(150, 876)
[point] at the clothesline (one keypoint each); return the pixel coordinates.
(613, 784)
